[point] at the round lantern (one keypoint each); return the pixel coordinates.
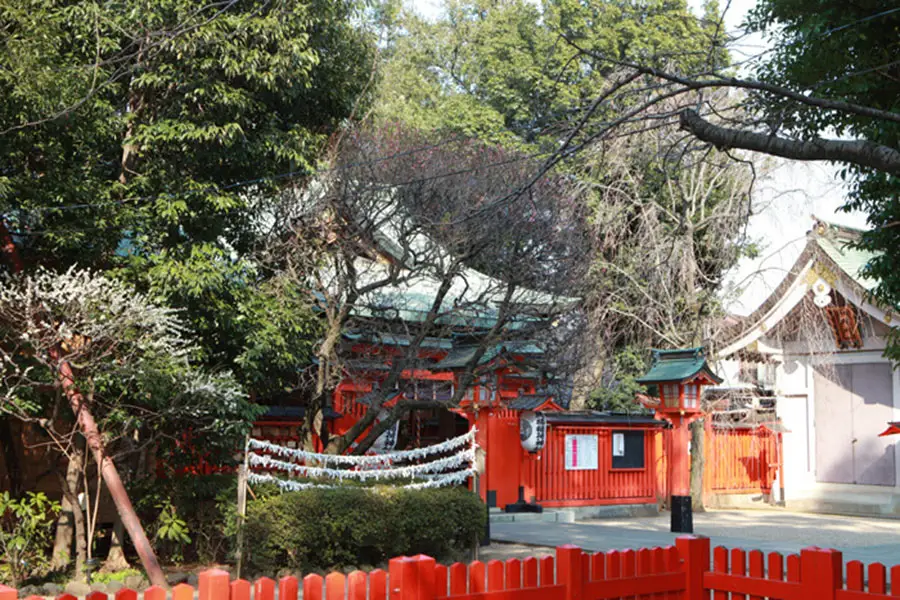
(533, 430)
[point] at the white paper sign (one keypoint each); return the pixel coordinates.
(618, 444)
(581, 452)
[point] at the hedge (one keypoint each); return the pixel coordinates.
(322, 529)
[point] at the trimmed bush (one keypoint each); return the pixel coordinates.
(321, 529)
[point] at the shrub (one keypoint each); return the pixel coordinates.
(25, 526)
(321, 529)
(190, 518)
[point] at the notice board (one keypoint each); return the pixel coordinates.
(581, 452)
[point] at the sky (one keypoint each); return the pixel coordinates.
(786, 199)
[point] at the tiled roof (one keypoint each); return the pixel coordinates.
(678, 365)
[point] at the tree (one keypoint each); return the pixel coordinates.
(666, 221)
(131, 138)
(388, 245)
(130, 369)
(831, 75)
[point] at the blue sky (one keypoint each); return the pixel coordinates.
(786, 199)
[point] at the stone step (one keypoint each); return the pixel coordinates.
(548, 516)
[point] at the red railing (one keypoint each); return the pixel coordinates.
(553, 485)
(682, 572)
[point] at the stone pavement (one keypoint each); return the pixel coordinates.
(865, 539)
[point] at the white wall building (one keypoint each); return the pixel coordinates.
(818, 341)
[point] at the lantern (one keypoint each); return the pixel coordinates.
(533, 430)
(679, 376)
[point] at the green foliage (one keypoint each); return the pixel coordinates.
(500, 72)
(845, 52)
(25, 526)
(618, 388)
(328, 528)
(192, 518)
(119, 576)
(153, 142)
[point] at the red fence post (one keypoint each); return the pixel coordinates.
(425, 577)
(7, 593)
(213, 585)
(693, 551)
(570, 569)
(821, 573)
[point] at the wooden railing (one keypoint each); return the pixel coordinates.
(682, 572)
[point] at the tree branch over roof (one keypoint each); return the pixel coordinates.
(862, 153)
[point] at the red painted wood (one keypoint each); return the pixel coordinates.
(740, 585)
(441, 576)
(821, 573)
(7, 593)
(459, 583)
(91, 596)
(720, 565)
(182, 591)
(877, 578)
(495, 576)
(71, 597)
(547, 567)
(213, 584)
(628, 563)
(690, 556)
(288, 588)
(856, 577)
(356, 586)
(154, 593)
(756, 567)
(569, 572)
(476, 577)
(554, 592)
(613, 568)
(895, 581)
(425, 589)
(513, 574)
(586, 566)
(598, 566)
(530, 572)
(643, 567)
(239, 589)
(312, 588)
(628, 587)
(335, 586)
(378, 580)
(738, 567)
(793, 567)
(775, 570)
(126, 594)
(264, 589)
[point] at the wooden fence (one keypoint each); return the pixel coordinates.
(682, 572)
(739, 461)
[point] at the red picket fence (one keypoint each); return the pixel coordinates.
(682, 572)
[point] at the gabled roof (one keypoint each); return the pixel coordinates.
(828, 255)
(537, 402)
(677, 366)
(461, 356)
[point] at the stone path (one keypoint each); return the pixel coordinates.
(865, 539)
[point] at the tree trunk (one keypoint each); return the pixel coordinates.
(115, 560)
(65, 525)
(10, 458)
(697, 460)
(70, 485)
(110, 474)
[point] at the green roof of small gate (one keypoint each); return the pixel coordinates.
(678, 365)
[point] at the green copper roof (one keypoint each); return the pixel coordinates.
(461, 356)
(850, 260)
(677, 366)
